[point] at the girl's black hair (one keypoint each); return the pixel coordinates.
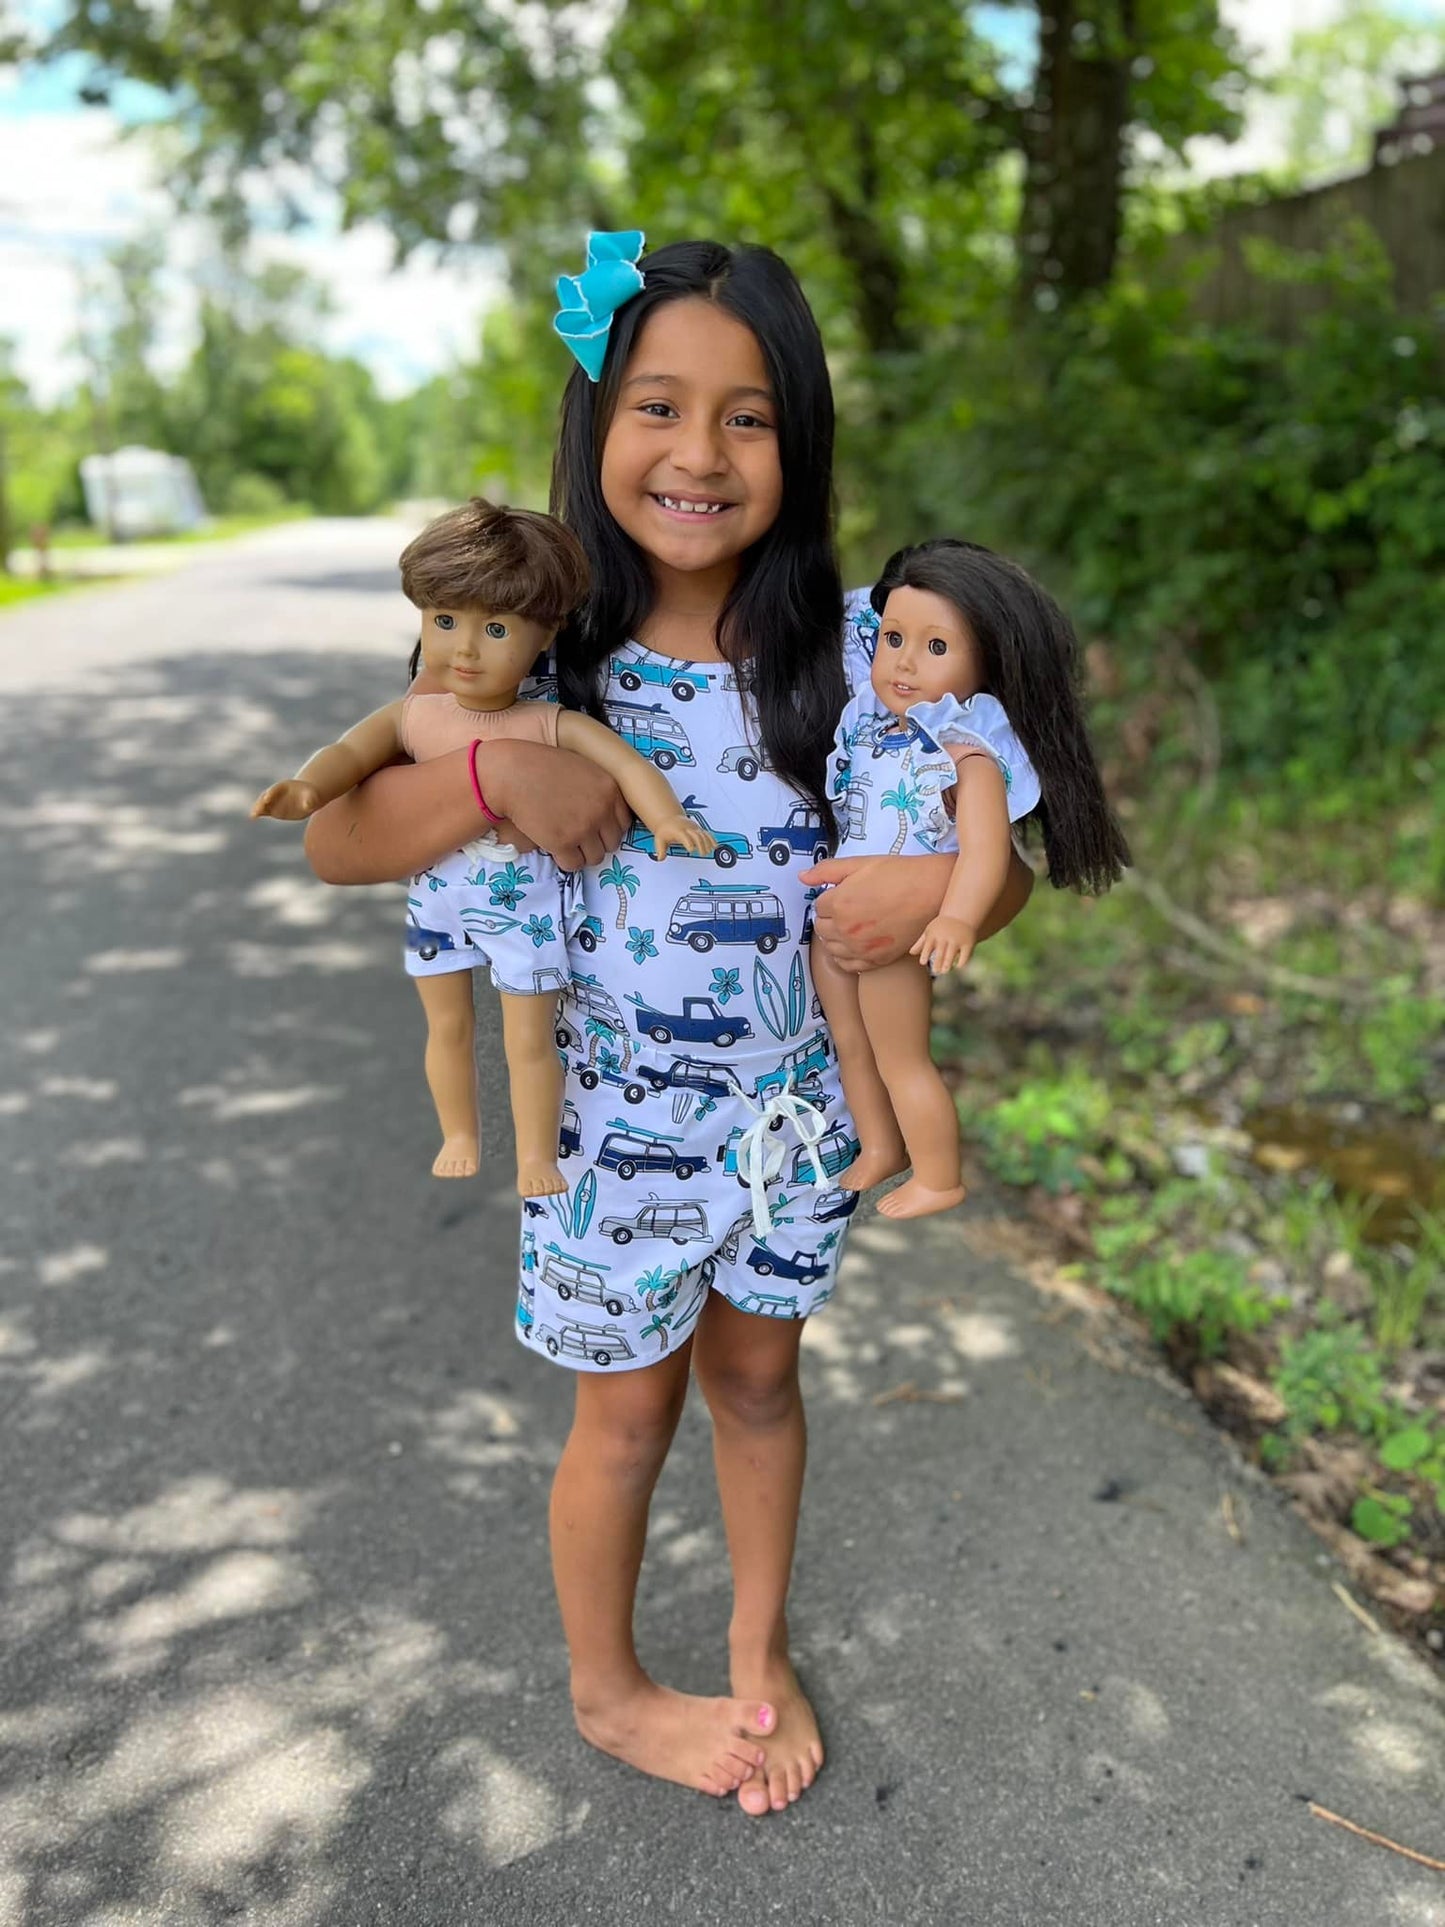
(1031, 664)
(781, 625)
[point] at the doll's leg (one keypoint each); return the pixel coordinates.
(897, 1004)
(451, 1069)
(882, 1154)
(534, 1074)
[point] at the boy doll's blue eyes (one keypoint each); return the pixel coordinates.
(445, 622)
(497, 629)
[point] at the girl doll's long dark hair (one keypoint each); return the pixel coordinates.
(781, 625)
(1031, 664)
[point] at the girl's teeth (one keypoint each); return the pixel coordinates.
(691, 508)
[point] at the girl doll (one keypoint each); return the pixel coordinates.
(694, 465)
(492, 585)
(971, 722)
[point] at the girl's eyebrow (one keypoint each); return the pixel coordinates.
(673, 381)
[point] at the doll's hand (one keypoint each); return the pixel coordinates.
(681, 829)
(290, 801)
(946, 944)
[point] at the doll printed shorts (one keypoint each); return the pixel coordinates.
(489, 904)
(660, 1209)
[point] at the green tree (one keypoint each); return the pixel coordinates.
(1338, 83)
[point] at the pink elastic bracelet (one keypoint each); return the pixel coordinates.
(490, 814)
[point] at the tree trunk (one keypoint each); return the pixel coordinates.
(1074, 150)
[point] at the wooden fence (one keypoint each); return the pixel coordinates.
(1404, 204)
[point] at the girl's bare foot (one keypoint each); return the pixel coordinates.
(709, 1744)
(873, 1164)
(915, 1200)
(458, 1157)
(539, 1180)
(793, 1750)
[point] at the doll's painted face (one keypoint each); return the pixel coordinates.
(481, 656)
(925, 650)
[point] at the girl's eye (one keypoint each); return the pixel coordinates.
(497, 630)
(937, 646)
(445, 622)
(748, 421)
(658, 410)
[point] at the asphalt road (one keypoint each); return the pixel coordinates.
(277, 1639)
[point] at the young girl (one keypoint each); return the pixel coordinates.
(696, 473)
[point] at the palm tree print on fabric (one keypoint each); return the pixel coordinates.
(656, 1327)
(905, 799)
(600, 1032)
(617, 876)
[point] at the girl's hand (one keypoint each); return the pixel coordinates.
(559, 802)
(946, 944)
(681, 829)
(880, 904)
(288, 802)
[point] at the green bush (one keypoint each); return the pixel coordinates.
(254, 495)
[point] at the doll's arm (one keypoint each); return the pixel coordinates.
(648, 793)
(332, 771)
(981, 867)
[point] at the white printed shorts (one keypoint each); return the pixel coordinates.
(659, 1149)
(489, 904)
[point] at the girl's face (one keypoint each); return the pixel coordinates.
(925, 650)
(481, 656)
(690, 467)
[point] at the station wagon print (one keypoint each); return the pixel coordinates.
(680, 1219)
(582, 1279)
(633, 673)
(806, 1060)
(738, 913)
(598, 1344)
(652, 731)
(729, 845)
(744, 760)
(630, 1148)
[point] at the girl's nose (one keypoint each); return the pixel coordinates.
(697, 450)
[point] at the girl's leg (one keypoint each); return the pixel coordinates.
(451, 1069)
(620, 1434)
(534, 1079)
(897, 1003)
(748, 1370)
(882, 1154)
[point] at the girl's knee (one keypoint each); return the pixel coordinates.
(756, 1396)
(623, 1434)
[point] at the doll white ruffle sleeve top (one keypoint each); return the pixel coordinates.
(889, 773)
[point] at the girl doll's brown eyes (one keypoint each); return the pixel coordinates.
(937, 646)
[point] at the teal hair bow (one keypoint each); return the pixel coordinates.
(590, 299)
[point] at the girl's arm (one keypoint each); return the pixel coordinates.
(879, 905)
(331, 772)
(401, 820)
(646, 789)
(979, 870)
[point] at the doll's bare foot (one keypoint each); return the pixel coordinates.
(916, 1200)
(458, 1158)
(710, 1744)
(873, 1164)
(539, 1180)
(794, 1749)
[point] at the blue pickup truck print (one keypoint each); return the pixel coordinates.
(802, 835)
(698, 1022)
(632, 674)
(427, 943)
(802, 1267)
(728, 845)
(589, 1076)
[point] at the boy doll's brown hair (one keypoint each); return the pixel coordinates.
(483, 556)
